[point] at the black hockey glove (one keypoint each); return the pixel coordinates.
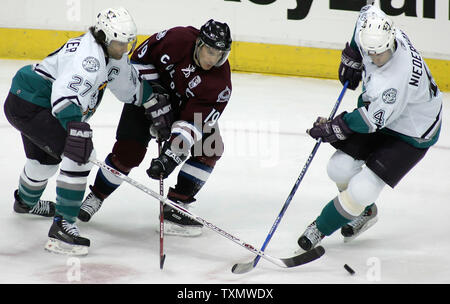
(159, 111)
(351, 67)
(79, 144)
(165, 163)
(330, 130)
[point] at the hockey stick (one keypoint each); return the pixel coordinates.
(162, 256)
(282, 262)
(245, 267)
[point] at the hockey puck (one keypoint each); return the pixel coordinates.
(349, 269)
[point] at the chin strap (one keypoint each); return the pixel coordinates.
(198, 44)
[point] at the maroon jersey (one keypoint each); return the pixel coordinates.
(168, 57)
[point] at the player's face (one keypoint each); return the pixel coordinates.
(116, 49)
(208, 57)
(380, 59)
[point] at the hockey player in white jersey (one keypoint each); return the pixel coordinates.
(50, 104)
(397, 119)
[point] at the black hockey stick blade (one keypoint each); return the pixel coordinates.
(161, 261)
(294, 261)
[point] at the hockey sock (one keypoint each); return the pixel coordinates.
(191, 178)
(68, 202)
(105, 182)
(33, 180)
(332, 217)
(70, 188)
(30, 191)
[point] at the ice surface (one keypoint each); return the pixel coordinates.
(265, 149)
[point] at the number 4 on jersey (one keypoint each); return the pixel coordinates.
(379, 117)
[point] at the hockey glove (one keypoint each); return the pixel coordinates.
(165, 163)
(351, 67)
(159, 111)
(79, 144)
(330, 130)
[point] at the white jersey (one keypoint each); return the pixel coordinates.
(402, 94)
(79, 74)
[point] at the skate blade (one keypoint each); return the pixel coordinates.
(366, 226)
(177, 230)
(59, 247)
(32, 215)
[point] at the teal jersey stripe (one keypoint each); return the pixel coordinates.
(31, 87)
(358, 123)
(71, 112)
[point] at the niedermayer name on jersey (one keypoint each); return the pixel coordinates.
(417, 63)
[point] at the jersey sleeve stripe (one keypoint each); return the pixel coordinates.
(146, 71)
(365, 116)
(196, 133)
(186, 135)
(432, 129)
(149, 76)
(64, 102)
(44, 74)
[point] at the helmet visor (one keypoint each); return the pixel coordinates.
(212, 56)
(116, 49)
(223, 58)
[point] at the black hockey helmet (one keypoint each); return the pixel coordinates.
(218, 36)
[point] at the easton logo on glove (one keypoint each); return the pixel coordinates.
(173, 156)
(78, 146)
(338, 132)
(161, 111)
(80, 133)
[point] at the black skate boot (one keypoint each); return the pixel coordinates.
(360, 224)
(89, 207)
(64, 238)
(311, 237)
(176, 223)
(42, 208)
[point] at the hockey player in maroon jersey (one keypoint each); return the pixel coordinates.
(191, 80)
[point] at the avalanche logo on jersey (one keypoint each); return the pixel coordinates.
(390, 96)
(225, 95)
(91, 64)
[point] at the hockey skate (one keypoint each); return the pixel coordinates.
(360, 224)
(89, 207)
(42, 208)
(311, 237)
(176, 223)
(64, 238)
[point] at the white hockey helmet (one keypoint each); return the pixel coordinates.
(377, 34)
(117, 24)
